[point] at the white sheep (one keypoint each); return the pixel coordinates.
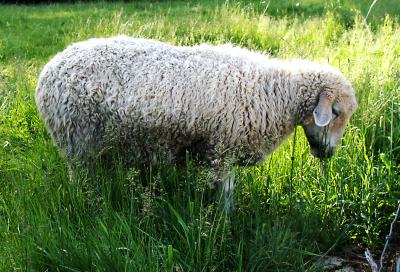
(153, 101)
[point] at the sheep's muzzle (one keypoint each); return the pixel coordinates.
(319, 146)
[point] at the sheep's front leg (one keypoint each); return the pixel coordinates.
(227, 191)
(224, 179)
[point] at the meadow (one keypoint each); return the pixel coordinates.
(289, 213)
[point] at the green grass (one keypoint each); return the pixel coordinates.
(156, 220)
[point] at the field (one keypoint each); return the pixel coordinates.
(289, 213)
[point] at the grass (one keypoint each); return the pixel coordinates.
(156, 220)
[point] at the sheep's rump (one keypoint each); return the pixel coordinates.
(146, 97)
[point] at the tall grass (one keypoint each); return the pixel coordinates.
(159, 219)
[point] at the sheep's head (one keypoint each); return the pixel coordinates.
(326, 126)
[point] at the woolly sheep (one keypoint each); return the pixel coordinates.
(149, 101)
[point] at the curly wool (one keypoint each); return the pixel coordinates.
(149, 98)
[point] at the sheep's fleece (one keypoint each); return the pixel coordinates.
(150, 100)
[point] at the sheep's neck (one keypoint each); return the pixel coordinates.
(283, 117)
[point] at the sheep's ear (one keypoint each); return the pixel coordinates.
(323, 112)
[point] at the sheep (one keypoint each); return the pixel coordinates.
(153, 101)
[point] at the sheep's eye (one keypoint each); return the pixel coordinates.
(335, 112)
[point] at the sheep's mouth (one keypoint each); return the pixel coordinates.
(319, 145)
(322, 152)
